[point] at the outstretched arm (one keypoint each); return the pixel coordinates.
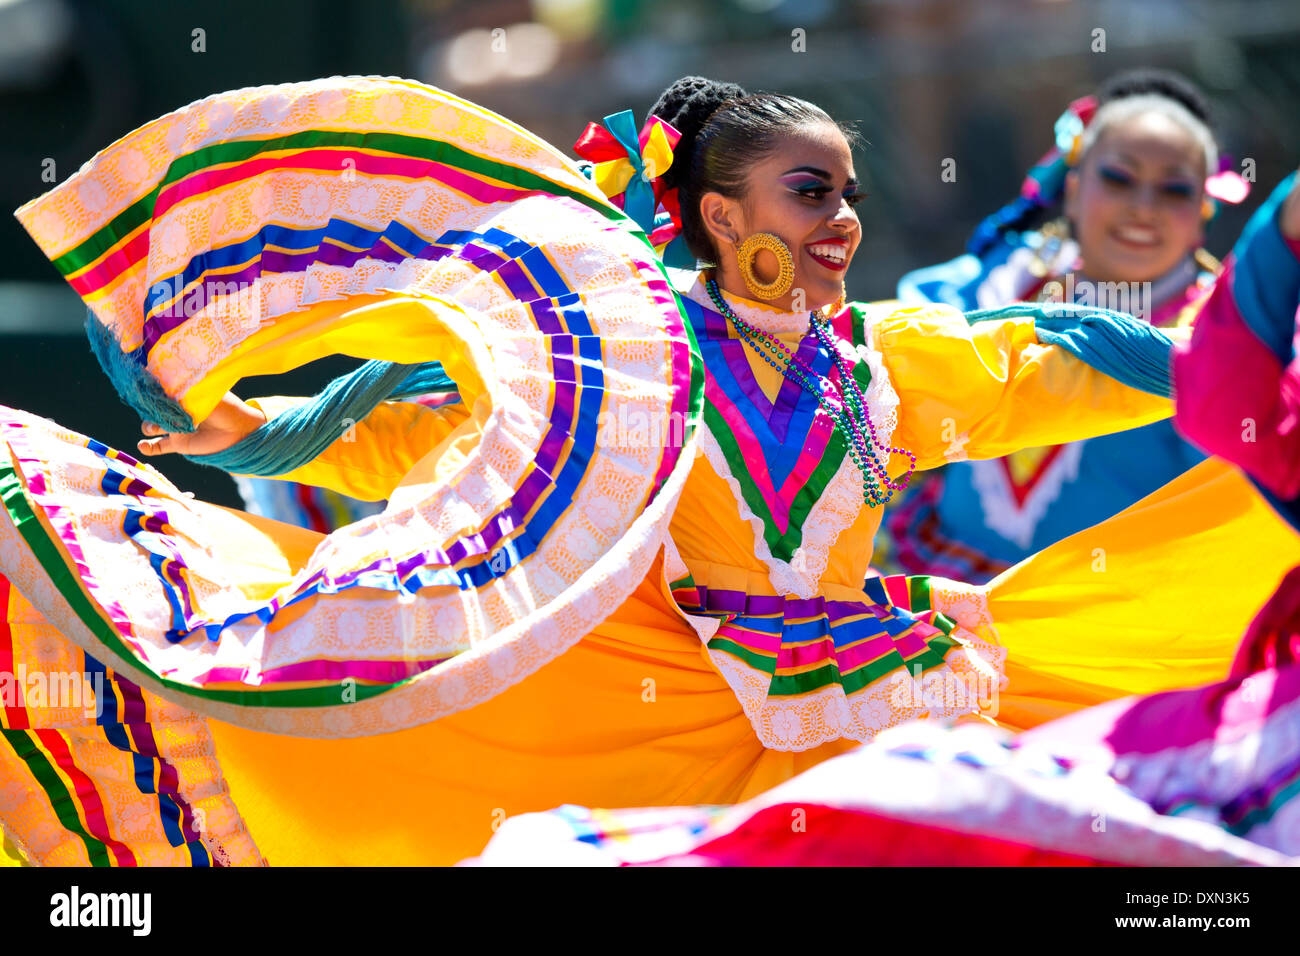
(986, 389)
(367, 461)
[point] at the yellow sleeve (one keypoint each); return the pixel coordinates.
(988, 389)
(371, 458)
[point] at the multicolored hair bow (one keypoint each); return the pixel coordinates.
(627, 168)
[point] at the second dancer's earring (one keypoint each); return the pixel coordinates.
(746, 254)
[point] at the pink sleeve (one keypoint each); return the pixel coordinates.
(1234, 398)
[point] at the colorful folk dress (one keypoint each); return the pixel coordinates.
(1204, 776)
(625, 568)
(973, 519)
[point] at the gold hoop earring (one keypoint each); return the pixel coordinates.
(748, 251)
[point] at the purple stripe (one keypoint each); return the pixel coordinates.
(168, 780)
(787, 398)
(791, 608)
(517, 281)
(509, 520)
(733, 351)
(543, 311)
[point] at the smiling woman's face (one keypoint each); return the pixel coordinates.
(803, 192)
(1135, 201)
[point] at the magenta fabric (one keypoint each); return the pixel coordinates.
(1234, 398)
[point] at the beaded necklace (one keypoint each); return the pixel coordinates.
(850, 415)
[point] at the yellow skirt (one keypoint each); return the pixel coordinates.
(633, 715)
(636, 715)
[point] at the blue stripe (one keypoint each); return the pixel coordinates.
(142, 766)
(569, 310)
(780, 457)
(299, 241)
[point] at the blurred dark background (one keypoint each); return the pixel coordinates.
(925, 80)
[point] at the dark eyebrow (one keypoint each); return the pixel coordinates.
(820, 174)
(1172, 169)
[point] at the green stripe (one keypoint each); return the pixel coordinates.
(1265, 813)
(682, 583)
(783, 546)
(755, 660)
(416, 147)
(785, 685)
(68, 585)
(937, 649)
(918, 592)
(65, 808)
(46, 551)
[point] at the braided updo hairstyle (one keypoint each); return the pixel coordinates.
(1147, 81)
(725, 131)
(1163, 91)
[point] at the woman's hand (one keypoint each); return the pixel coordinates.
(230, 422)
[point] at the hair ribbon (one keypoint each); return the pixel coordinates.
(627, 167)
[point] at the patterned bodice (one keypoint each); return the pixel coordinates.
(774, 489)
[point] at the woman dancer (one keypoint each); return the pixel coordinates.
(1137, 169)
(1204, 776)
(625, 569)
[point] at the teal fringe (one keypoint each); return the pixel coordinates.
(1126, 349)
(134, 385)
(291, 440)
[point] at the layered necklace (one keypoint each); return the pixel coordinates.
(850, 414)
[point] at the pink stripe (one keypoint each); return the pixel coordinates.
(122, 260)
(663, 296)
(823, 651)
(115, 263)
(750, 449)
(911, 643)
(307, 670)
(866, 652)
(804, 654)
(810, 456)
(331, 160)
(387, 672)
(896, 587)
(765, 643)
(63, 528)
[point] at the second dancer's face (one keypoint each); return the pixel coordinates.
(803, 192)
(1135, 201)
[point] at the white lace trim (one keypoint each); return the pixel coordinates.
(840, 504)
(1016, 522)
(765, 317)
(966, 685)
